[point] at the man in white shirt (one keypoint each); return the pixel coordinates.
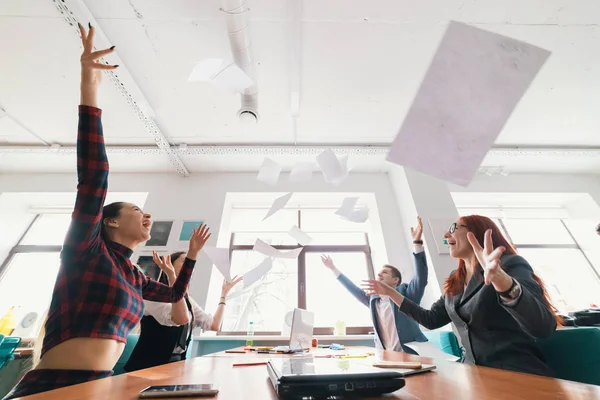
(393, 328)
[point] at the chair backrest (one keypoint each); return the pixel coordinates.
(132, 340)
(445, 341)
(7, 349)
(574, 354)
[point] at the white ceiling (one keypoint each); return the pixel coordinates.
(360, 67)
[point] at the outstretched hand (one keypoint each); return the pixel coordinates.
(328, 262)
(91, 63)
(373, 287)
(227, 286)
(164, 263)
(417, 232)
(198, 240)
(489, 259)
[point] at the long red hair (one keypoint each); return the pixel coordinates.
(478, 225)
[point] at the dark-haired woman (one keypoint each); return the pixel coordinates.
(97, 298)
(494, 298)
(166, 329)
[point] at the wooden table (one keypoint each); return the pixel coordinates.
(450, 381)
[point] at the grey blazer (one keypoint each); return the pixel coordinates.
(495, 334)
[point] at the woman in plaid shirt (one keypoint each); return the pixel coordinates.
(98, 294)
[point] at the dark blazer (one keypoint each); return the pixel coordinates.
(408, 329)
(156, 343)
(495, 334)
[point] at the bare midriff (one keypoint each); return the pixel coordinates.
(83, 354)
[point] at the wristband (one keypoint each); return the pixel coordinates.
(417, 241)
(506, 294)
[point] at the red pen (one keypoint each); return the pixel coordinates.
(249, 364)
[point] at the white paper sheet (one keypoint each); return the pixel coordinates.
(334, 170)
(235, 294)
(300, 236)
(256, 273)
(348, 205)
(222, 74)
(358, 215)
(428, 349)
(220, 259)
(278, 204)
(471, 88)
(270, 251)
(269, 172)
(302, 172)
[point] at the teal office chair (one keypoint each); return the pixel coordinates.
(132, 340)
(574, 354)
(445, 341)
(8, 344)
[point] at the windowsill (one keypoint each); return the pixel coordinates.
(279, 337)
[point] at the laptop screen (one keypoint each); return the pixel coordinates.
(311, 367)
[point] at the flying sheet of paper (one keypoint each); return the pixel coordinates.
(471, 88)
(256, 273)
(220, 259)
(300, 236)
(348, 205)
(358, 215)
(302, 172)
(428, 349)
(270, 251)
(222, 74)
(269, 172)
(235, 294)
(334, 170)
(278, 204)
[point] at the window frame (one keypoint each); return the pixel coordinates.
(575, 245)
(301, 263)
(27, 248)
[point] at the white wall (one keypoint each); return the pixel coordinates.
(202, 197)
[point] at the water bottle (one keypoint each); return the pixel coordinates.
(250, 334)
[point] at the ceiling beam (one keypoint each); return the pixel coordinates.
(74, 11)
(291, 150)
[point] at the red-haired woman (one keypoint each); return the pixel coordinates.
(494, 298)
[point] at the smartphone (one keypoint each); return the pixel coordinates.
(207, 389)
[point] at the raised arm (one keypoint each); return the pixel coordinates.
(92, 163)
(416, 287)
(178, 312)
(529, 307)
(434, 318)
(156, 291)
(357, 292)
(214, 324)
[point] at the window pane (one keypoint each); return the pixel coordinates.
(537, 231)
(585, 234)
(266, 302)
(49, 229)
(338, 238)
(250, 220)
(327, 298)
(28, 282)
(570, 281)
(272, 238)
(325, 220)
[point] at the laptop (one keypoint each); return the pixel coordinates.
(301, 333)
(300, 377)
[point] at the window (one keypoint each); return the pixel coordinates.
(28, 274)
(303, 282)
(563, 252)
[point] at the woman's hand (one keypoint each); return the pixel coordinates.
(198, 240)
(489, 259)
(373, 287)
(417, 232)
(91, 65)
(164, 263)
(227, 286)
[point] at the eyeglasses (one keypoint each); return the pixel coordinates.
(453, 227)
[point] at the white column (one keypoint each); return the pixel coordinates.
(420, 194)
